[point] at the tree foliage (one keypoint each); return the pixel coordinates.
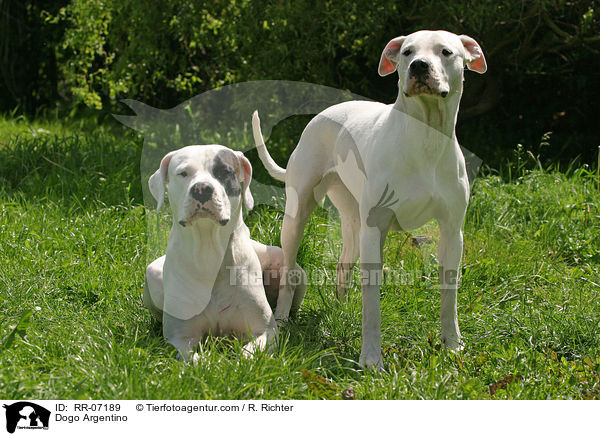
(176, 49)
(543, 55)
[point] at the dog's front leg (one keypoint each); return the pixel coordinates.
(449, 253)
(183, 335)
(371, 241)
(185, 347)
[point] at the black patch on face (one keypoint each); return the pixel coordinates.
(227, 177)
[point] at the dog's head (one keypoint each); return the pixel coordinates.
(205, 182)
(431, 62)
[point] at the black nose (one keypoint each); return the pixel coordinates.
(419, 66)
(202, 192)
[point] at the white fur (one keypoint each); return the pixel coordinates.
(409, 153)
(210, 280)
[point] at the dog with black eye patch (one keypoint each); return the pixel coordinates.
(211, 279)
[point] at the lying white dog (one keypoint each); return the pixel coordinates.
(211, 279)
(386, 167)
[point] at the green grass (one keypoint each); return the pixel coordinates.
(73, 254)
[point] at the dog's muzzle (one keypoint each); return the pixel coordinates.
(422, 81)
(204, 204)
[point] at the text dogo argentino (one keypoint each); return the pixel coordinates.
(386, 167)
(211, 278)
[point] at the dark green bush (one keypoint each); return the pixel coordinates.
(28, 74)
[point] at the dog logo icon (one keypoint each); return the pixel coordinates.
(26, 415)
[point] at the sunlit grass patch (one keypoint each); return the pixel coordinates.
(73, 252)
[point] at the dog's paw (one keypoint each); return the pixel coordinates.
(371, 361)
(282, 321)
(258, 344)
(452, 343)
(281, 317)
(195, 359)
(188, 357)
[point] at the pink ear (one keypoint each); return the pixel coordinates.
(246, 169)
(474, 55)
(388, 61)
(246, 178)
(386, 66)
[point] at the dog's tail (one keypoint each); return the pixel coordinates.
(272, 168)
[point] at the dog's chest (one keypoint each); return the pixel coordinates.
(229, 310)
(409, 205)
(416, 212)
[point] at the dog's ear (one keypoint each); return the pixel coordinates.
(245, 177)
(389, 56)
(158, 180)
(474, 55)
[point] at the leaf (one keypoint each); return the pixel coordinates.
(348, 393)
(20, 329)
(318, 384)
(503, 383)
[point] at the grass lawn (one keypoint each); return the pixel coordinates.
(73, 255)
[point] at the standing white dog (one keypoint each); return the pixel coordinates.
(386, 167)
(211, 279)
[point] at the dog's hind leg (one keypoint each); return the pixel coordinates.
(271, 261)
(349, 214)
(153, 288)
(299, 205)
(299, 292)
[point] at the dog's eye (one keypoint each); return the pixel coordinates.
(182, 174)
(407, 52)
(446, 52)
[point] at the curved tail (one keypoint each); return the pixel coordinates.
(272, 168)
